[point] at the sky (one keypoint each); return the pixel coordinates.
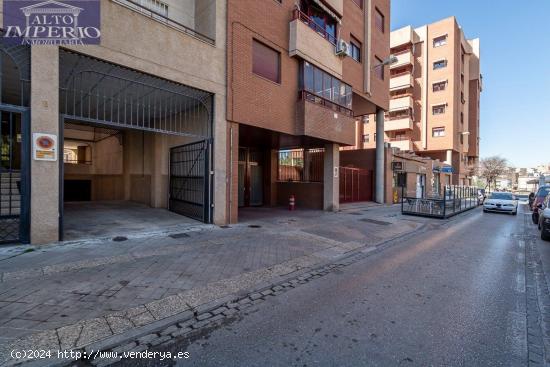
(515, 63)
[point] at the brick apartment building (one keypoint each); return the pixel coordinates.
(435, 91)
(299, 76)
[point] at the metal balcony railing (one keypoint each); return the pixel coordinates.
(304, 18)
(314, 98)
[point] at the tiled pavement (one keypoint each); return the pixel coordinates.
(69, 295)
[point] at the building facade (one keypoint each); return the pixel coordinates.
(435, 88)
(300, 74)
(138, 118)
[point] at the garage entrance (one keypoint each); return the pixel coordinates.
(131, 142)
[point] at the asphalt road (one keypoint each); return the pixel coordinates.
(454, 295)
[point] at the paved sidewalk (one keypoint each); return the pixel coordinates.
(68, 295)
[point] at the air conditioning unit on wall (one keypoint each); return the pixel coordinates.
(342, 48)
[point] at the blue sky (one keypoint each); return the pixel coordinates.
(515, 62)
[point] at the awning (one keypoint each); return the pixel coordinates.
(328, 10)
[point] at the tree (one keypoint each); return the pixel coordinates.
(491, 168)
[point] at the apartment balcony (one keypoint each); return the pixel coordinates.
(402, 37)
(320, 118)
(336, 5)
(404, 58)
(403, 123)
(401, 81)
(401, 103)
(403, 144)
(311, 43)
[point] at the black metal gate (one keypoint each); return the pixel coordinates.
(190, 187)
(14, 188)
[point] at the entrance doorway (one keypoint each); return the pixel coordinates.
(250, 177)
(14, 189)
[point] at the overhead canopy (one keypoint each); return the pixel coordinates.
(99, 92)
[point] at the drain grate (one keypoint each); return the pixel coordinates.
(178, 235)
(254, 226)
(120, 238)
(354, 213)
(225, 226)
(374, 221)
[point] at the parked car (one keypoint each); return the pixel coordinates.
(544, 219)
(541, 194)
(480, 196)
(504, 202)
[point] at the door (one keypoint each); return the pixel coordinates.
(190, 188)
(251, 182)
(14, 190)
(420, 186)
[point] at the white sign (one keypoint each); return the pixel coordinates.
(44, 147)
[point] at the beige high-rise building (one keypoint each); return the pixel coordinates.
(435, 89)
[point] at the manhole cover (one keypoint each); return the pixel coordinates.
(374, 221)
(225, 227)
(178, 235)
(354, 213)
(120, 238)
(254, 226)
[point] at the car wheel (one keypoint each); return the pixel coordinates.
(484, 210)
(544, 236)
(535, 218)
(515, 213)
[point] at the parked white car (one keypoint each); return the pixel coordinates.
(501, 202)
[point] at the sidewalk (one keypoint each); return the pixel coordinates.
(68, 295)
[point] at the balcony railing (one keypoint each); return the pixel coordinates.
(304, 18)
(314, 98)
(164, 19)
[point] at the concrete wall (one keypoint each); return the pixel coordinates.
(309, 195)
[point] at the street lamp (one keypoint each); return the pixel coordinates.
(390, 60)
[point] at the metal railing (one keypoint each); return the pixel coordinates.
(304, 18)
(321, 101)
(150, 13)
(453, 201)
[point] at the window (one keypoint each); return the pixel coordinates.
(440, 64)
(462, 140)
(366, 138)
(438, 110)
(462, 117)
(379, 68)
(462, 98)
(322, 84)
(156, 6)
(322, 22)
(355, 49)
(379, 20)
(439, 86)
(359, 3)
(440, 41)
(266, 62)
(438, 132)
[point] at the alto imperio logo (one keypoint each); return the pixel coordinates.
(66, 22)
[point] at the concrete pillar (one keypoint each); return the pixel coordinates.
(233, 172)
(331, 180)
(379, 184)
(449, 158)
(44, 213)
(220, 180)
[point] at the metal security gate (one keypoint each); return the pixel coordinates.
(355, 185)
(14, 188)
(190, 191)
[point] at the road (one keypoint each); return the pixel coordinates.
(453, 295)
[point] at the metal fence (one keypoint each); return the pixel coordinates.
(454, 200)
(301, 165)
